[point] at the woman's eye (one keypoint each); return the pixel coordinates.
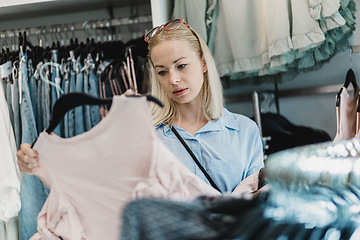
(181, 66)
(161, 73)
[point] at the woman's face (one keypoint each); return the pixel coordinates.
(179, 70)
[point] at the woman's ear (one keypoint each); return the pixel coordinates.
(204, 64)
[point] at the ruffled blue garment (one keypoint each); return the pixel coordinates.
(260, 41)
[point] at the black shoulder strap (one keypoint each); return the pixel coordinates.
(195, 159)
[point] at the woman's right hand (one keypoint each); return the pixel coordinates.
(29, 163)
(27, 159)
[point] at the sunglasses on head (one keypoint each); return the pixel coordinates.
(170, 25)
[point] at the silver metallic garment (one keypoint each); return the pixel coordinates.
(317, 185)
(330, 164)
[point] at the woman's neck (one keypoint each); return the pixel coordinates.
(190, 117)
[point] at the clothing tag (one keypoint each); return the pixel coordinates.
(57, 82)
(5, 69)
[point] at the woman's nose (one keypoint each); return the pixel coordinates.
(174, 77)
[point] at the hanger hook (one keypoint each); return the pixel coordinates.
(96, 34)
(65, 33)
(58, 32)
(72, 30)
(85, 28)
(350, 50)
(44, 35)
(5, 42)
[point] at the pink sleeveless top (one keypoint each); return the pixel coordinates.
(346, 116)
(96, 173)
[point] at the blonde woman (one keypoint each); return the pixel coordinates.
(184, 78)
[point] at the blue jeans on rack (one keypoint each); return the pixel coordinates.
(94, 91)
(45, 101)
(65, 87)
(39, 120)
(9, 101)
(33, 89)
(55, 74)
(32, 191)
(33, 197)
(87, 114)
(72, 88)
(79, 114)
(29, 131)
(16, 106)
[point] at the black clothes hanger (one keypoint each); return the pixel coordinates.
(71, 100)
(350, 78)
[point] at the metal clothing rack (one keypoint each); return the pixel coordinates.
(288, 93)
(85, 26)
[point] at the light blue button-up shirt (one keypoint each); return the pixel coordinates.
(229, 148)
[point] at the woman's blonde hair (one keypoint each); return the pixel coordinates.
(211, 93)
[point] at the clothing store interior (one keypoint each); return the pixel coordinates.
(98, 99)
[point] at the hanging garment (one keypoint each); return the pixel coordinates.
(32, 190)
(223, 217)
(284, 134)
(262, 41)
(9, 176)
(120, 159)
(357, 134)
(72, 88)
(313, 193)
(79, 111)
(194, 12)
(346, 115)
(16, 106)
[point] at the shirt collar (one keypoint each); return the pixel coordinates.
(227, 120)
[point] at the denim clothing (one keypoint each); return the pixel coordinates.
(229, 148)
(72, 88)
(32, 89)
(29, 131)
(87, 114)
(45, 101)
(9, 101)
(33, 197)
(16, 107)
(39, 97)
(79, 115)
(93, 91)
(65, 87)
(31, 190)
(55, 73)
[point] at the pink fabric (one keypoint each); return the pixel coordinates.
(96, 173)
(357, 134)
(249, 187)
(346, 116)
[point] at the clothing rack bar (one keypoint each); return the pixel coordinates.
(68, 28)
(256, 105)
(288, 93)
